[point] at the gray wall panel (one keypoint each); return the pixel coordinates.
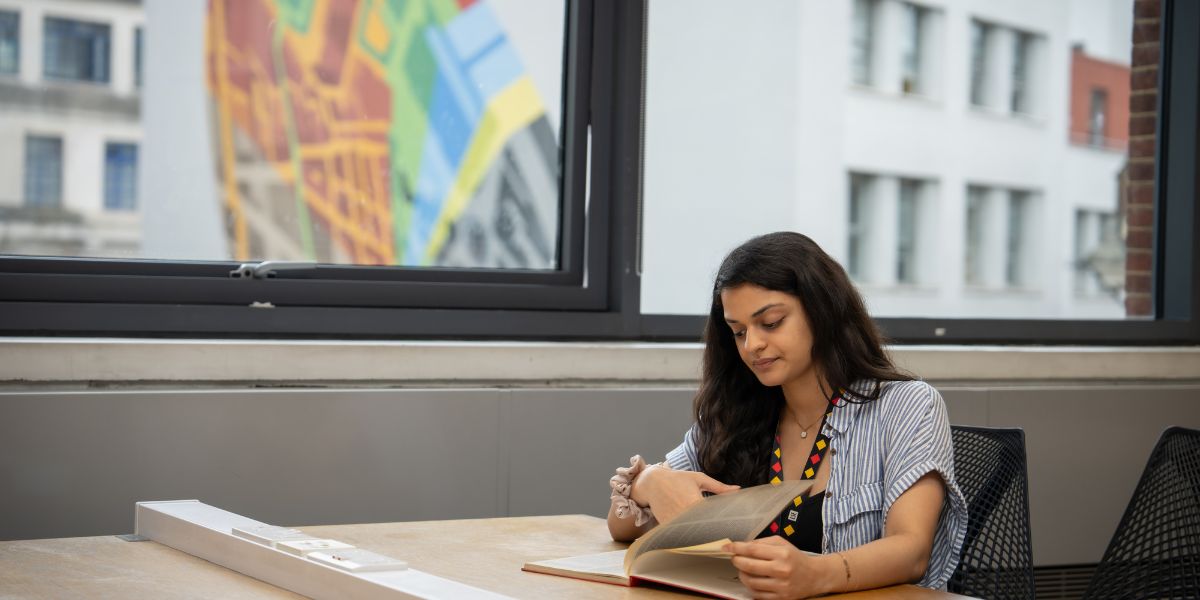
(965, 406)
(566, 443)
(1087, 447)
(73, 464)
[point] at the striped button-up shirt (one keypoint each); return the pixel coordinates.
(878, 449)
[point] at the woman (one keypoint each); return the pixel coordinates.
(797, 385)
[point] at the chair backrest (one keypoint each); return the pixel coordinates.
(997, 555)
(1155, 552)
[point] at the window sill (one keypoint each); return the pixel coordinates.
(99, 362)
(914, 290)
(911, 97)
(979, 291)
(1026, 119)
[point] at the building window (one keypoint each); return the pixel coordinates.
(859, 210)
(999, 240)
(120, 176)
(76, 50)
(1015, 251)
(1022, 42)
(10, 42)
(1099, 254)
(43, 171)
(1097, 110)
(976, 199)
(863, 31)
(906, 231)
(980, 32)
(914, 24)
(137, 57)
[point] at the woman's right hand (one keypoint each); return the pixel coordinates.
(669, 492)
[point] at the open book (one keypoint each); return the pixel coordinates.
(686, 552)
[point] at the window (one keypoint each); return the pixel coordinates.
(912, 48)
(976, 206)
(998, 240)
(862, 34)
(858, 231)
(980, 32)
(43, 171)
(76, 50)
(1098, 107)
(137, 56)
(1020, 73)
(1100, 102)
(635, 260)
(1084, 241)
(1099, 254)
(884, 244)
(906, 231)
(1004, 68)
(1017, 250)
(10, 42)
(894, 47)
(443, 163)
(120, 176)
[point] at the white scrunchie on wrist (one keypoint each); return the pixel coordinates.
(622, 484)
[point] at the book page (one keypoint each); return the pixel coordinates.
(712, 549)
(739, 515)
(710, 575)
(607, 567)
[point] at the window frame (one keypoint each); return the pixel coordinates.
(913, 49)
(1018, 205)
(139, 40)
(1020, 100)
(45, 141)
(974, 212)
(1098, 115)
(601, 126)
(16, 38)
(858, 206)
(111, 185)
(862, 20)
(977, 92)
(76, 297)
(909, 193)
(66, 21)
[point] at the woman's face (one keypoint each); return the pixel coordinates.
(771, 332)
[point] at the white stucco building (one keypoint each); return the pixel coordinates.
(70, 127)
(926, 145)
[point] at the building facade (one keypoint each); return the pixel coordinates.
(936, 148)
(70, 128)
(1005, 204)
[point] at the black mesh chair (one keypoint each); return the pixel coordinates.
(1155, 552)
(997, 555)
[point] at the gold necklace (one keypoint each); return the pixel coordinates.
(803, 429)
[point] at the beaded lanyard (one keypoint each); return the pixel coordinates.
(789, 515)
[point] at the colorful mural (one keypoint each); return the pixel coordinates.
(384, 132)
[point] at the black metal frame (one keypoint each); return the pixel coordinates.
(80, 296)
(596, 295)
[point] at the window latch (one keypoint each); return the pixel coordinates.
(269, 268)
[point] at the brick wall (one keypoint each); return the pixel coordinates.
(1138, 178)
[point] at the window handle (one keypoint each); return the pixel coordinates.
(269, 268)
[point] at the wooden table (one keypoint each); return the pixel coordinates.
(486, 553)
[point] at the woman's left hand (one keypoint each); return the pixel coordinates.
(773, 568)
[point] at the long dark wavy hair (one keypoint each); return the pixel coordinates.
(736, 415)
